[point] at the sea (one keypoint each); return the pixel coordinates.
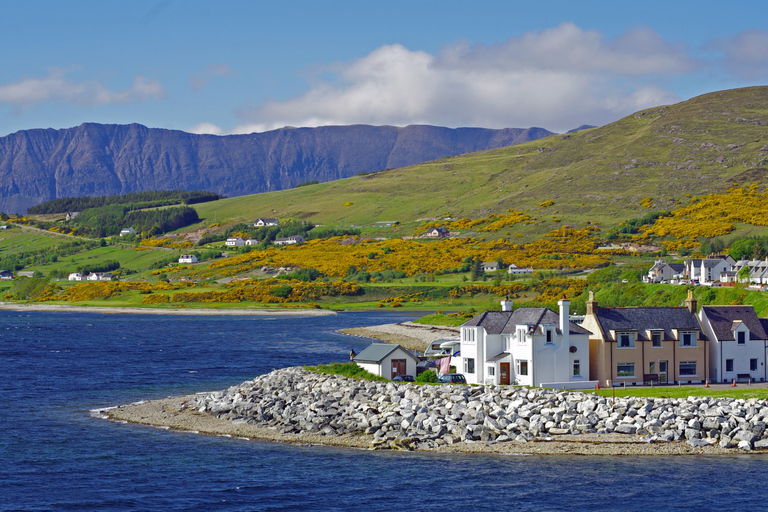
(57, 454)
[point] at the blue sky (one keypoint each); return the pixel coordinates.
(243, 66)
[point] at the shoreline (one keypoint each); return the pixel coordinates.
(173, 413)
(409, 335)
(128, 310)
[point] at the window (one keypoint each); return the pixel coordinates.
(521, 336)
(625, 370)
(522, 367)
(626, 341)
(576, 368)
(742, 337)
(491, 371)
(469, 335)
(469, 365)
(753, 365)
(687, 339)
(656, 338)
(549, 336)
(652, 367)
(687, 368)
(729, 365)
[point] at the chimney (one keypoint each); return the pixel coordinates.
(506, 304)
(565, 327)
(691, 302)
(591, 304)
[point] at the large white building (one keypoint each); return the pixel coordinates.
(529, 346)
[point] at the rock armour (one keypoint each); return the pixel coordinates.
(407, 416)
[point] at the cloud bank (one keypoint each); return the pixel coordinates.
(558, 78)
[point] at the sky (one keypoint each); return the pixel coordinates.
(231, 67)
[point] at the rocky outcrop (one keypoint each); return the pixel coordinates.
(96, 159)
(408, 416)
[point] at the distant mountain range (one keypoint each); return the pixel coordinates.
(97, 159)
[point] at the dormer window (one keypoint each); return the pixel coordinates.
(549, 335)
(656, 339)
(741, 337)
(626, 340)
(687, 339)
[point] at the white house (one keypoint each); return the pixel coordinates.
(187, 258)
(737, 342)
(439, 232)
(387, 360)
(515, 270)
(291, 240)
(127, 231)
(75, 276)
(663, 271)
(251, 241)
(235, 241)
(711, 269)
(490, 266)
(530, 346)
(266, 222)
(100, 276)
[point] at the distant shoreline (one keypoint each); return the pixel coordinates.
(112, 310)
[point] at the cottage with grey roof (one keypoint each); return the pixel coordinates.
(639, 345)
(386, 360)
(528, 346)
(737, 343)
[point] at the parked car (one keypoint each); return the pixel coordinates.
(452, 378)
(403, 378)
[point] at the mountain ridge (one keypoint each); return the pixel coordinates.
(105, 159)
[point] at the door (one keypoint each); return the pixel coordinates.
(662, 372)
(398, 367)
(504, 377)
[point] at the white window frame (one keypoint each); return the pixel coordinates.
(491, 371)
(688, 340)
(576, 372)
(469, 365)
(654, 335)
(753, 362)
(684, 375)
(626, 371)
(630, 340)
(519, 367)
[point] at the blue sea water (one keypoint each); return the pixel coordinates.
(55, 455)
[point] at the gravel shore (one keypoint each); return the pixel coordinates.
(408, 335)
(158, 311)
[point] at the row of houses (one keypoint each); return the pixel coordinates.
(93, 276)
(631, 346)
(716, 269)
(290, 240)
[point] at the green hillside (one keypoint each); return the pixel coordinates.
(601, 175)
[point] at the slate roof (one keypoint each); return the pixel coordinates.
(644, 319)
(677, 267)
(504, 322)
(711, 263)
(723, 318)
(377, 352)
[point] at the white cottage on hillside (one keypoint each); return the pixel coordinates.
(530, 346)
(737, 342)
(387, 360)
(234, 242)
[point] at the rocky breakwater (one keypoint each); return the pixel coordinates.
(409, 416)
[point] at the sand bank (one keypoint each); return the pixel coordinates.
(408, 335)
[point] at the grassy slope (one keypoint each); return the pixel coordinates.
(665, 153)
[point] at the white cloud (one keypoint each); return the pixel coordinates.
(56, 87)
(206, 129)
(746, 54)
(559, 78)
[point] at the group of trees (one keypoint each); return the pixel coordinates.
(137, 200)
(109, 220)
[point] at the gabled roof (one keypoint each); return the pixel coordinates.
(377, 352)
(722, 319)
(643, 320)
(504, 322)
(677, 267)
(712, 263)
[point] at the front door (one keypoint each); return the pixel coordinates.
(504, 369)
(663, 372)
(398, 367)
